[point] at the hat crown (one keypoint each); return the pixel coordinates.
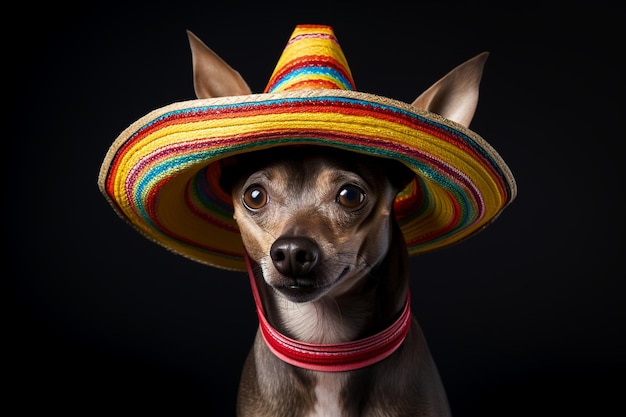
(312, 59)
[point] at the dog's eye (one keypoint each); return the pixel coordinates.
(255, 197)
(350, 196)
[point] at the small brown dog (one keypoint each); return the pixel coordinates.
(330, 263)
(332, 268)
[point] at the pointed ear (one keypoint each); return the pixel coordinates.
(212, 77)
(455, 96)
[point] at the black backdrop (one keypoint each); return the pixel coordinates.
(526, 318)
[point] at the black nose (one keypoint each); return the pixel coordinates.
(294, 256)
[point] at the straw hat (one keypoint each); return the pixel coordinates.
(161, 175)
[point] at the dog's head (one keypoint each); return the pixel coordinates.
(314, 219)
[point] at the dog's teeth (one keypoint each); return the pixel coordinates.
(300, 285)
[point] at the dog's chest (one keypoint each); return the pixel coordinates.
(328, 387)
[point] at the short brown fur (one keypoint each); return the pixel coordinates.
(289, 200)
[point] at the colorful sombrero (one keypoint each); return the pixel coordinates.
(162, 173)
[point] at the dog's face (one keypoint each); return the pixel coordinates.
(314, 220)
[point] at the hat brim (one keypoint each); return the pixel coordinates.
(161, 174)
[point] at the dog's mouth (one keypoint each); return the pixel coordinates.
(305, 289)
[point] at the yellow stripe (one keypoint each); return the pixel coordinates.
(324, 122)
(311, 46)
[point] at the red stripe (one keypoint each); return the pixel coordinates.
(297, 107)
(308, 61)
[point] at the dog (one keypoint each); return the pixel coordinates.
(329, 262)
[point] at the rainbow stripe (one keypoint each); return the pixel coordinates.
(161, 173)
(312, 59)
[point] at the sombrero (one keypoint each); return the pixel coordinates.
(161, 175)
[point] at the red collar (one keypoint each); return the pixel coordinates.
(332, 357)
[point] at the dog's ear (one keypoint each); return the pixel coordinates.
(212, 77)
(455, 96)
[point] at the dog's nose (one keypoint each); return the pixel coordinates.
(294, 256)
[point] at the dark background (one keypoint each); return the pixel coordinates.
(526, 318)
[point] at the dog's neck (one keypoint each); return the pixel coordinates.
(328, 320)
